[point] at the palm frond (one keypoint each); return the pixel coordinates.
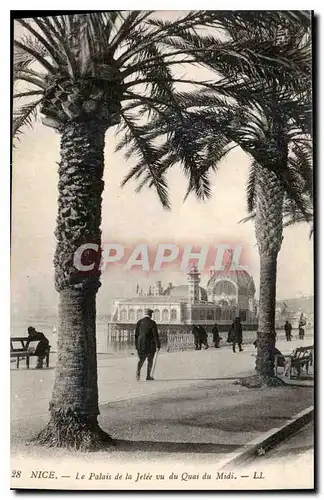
(250, 188)
(29, 77)
(65, 44)
(27, 94)
(130, 20)
(24, 116)
(149, 162)
(143, 36)
(49, 43)
(38, 55)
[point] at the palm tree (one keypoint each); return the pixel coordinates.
(265, 109)
(84, 74)
(277, 127)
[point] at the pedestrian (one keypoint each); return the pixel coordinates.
(301, 330)
(273, 351)
(235, 334)
(196, 334)
(203, 337)
(42, 347)
(216, 337)
(288, 329)
(147, 341)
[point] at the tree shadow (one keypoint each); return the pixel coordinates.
(31, 369)
(196, 379)
(173, 447)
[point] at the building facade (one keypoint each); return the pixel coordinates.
(227, 294)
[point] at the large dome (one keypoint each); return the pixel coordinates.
(241, 277)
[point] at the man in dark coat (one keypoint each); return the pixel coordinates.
(196, 334)
(42, 346)
(273, 352)
(216, 337)
(288, 329)
(301, 329)
(147, 341)
(235, 334)
(203, 337)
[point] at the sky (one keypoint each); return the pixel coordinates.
(132, 217)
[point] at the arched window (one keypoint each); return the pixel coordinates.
(165, 315)
(131, 315)
(123, 315)
(156, 314)
(173, 315)
(243, 314)
(210, 314)
(139, 314)
(227, 314)
(225, 287)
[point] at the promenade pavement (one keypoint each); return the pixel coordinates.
(116, 375)
(193, 400)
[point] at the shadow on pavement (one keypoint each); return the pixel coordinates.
(195, 379)
(31, 369)
(172, 447)
(293, 452)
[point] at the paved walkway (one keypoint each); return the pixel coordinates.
(116, 376)
(179, 371)
(294, 454)
(191, 418)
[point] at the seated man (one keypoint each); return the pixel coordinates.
(42, 346)
(274, 352)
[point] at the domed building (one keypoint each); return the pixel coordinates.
(232, 288)
(227, 294)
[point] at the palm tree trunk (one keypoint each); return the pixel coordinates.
(267, 311)
(268, 228)
(74, 406)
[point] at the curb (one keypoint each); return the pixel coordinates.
(260, 445)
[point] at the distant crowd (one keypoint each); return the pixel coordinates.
(147, 341)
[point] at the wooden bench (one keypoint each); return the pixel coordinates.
(18, 349)
(301, 358)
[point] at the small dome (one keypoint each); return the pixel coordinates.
(193, 270)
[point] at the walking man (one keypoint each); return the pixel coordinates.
(203, 337)
(216, 337)
(236, 334)
(147, 341)
(301, 325)
(301, 330)
(196, 334)
(288, 329)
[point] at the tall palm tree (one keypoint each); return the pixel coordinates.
(264, 108)
(277, 126)
(84, 74)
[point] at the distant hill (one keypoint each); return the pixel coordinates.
(305, 304)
